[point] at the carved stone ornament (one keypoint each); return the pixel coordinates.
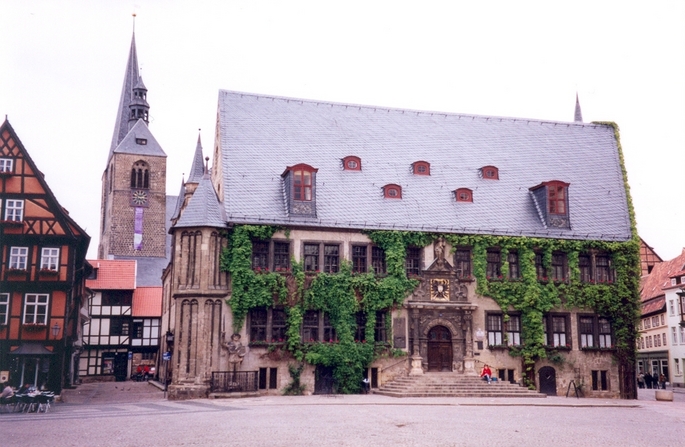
(440, 289)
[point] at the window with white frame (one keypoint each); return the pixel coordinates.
(513, 328)
(14, 210)
(4, 307)
(663, 321)
(6, 165)
(49, 259)
(36, 308)
(671, 308)
(19, 257)
(682, 335)
(677, 367)
(663, 339)
(494, 328)
(674, 336)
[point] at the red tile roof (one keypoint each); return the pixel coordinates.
(653, 306)
(654, 284)
(147, 302)
(113, 275)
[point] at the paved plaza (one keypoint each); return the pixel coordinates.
(136, 414)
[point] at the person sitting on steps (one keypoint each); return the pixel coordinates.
(486, 373)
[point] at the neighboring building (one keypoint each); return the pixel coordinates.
(455, 240)
(123, 331)
(648, 258)
(661, 342)
(42, 275)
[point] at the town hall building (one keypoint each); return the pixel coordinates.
(328, 242)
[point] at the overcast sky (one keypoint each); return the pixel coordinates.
(63, 65)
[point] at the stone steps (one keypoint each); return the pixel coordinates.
(452, 385)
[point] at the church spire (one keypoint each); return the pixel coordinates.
(197, 171)
(578, 116)
(131, 80)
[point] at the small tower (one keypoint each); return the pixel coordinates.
(578, 116)
(139, 107)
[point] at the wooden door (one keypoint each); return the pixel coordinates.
(439, 349)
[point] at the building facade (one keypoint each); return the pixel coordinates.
(368, 241)
(42, 275)
(123, 331)
(661, 342)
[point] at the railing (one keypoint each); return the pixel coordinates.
(234, 382)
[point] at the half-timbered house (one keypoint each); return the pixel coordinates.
(42, 275)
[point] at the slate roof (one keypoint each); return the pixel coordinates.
(197, 170)
(147, 302)
(659, 279)
(259, 136)
(129, 146)
(113, 274)
(203, 208)
(130, 80)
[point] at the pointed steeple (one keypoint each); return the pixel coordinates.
(131, 79)
(578, 117)
(197, 171)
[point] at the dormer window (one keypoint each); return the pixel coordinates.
(300, 189)
(490, 172)
(556, 197)
(6, 165)
(352, 163)
(463, 195)
(302, 185)
(141, 141)
(421, 168)
(551, 201)
(392, 191)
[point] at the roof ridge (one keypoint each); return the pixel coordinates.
(416, 111)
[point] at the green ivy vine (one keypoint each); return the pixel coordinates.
(340, 296)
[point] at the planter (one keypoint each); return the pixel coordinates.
(664, 395)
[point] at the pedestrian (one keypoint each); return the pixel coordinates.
(641, 380)
(365, 385)
(648, 380)
(146, 372)
(662, 381)
(486, 373)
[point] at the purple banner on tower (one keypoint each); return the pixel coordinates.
(138, 229)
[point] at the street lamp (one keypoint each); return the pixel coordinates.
(55, 329)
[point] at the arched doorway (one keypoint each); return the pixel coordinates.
(548, 380)
(439, 349)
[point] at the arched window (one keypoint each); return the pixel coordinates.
(421, 168)
(490, 172)
(463, 195)
(352, 163)
(140, 175)
(392, 191)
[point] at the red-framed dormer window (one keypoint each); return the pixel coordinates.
(490, 172)
(557, 197)
(352, 163)
(302, 177)
(421, 168)
(392, 191)
(463, 195)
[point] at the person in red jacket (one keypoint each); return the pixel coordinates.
(486, 373)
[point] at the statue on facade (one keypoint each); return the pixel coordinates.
(439, 252)
(236, 350)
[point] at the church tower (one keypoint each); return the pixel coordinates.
(133, 206)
